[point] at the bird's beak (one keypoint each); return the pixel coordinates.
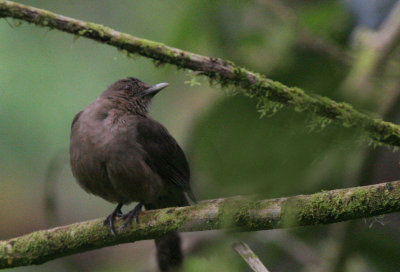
(155, 89)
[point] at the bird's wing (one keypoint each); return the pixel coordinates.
(163, 154)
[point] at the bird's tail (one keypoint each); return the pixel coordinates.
(169, 250)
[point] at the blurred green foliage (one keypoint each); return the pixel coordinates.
(47, 76)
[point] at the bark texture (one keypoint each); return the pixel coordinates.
(236, 213)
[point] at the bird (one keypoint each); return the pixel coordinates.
(119, 153)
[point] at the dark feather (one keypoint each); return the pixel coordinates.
(163, 154)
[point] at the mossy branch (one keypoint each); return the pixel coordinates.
(225, 73)
(236, 213)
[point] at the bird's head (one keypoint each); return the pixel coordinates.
(133, 94)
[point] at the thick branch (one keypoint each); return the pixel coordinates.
(223, 72)
(239, 213)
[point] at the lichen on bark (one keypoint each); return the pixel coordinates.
(236, 213)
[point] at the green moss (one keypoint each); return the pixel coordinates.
(325, 207)
(243, 213)
(234, 213)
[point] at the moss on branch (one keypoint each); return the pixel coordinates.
(238, 213)
(225, 73)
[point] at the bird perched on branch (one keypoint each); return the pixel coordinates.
(119, 153)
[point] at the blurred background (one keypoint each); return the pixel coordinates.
(346, 50)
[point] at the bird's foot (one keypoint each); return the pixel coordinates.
(111, 218)
(132, 215)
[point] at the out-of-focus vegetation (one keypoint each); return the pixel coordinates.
(47, 76)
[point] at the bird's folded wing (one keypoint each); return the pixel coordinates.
(163, 154)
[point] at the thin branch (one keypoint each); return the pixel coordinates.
(387, 38)
(220, 71)
(238, 213)
(249, 256)
(376, 50)
(306, 39)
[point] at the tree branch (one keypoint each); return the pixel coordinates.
(249, 257)
(238, 213)
(387, 38)
(223, 72)
(306, 39)
(375, 52)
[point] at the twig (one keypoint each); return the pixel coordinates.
(374, 54)
(220, 71)
(306, 39)
(238, 213)
(387, 39)
(249, 256)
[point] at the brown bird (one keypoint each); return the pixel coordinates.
(119, 153)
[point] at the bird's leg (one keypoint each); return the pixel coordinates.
(132, 215)
(111, 218)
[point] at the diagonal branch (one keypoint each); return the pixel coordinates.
(306, 39)
(238, 213)
(376, 51)
(249, 257)
(226, 73)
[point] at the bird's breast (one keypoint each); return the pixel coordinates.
(107, 160)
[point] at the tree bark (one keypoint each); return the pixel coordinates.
(236, 213)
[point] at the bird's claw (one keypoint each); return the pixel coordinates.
(132, 215)
(109, 221)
